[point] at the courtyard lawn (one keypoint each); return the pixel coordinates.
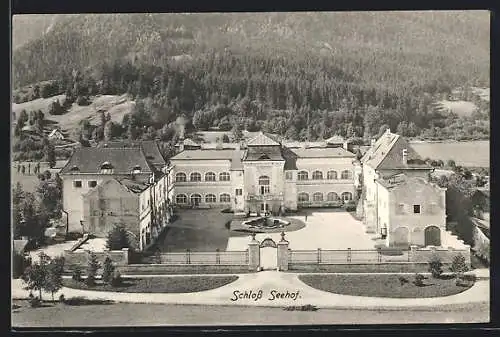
(197, 230)
(178, 284)
(388, 285)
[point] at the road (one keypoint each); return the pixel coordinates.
(128, 314)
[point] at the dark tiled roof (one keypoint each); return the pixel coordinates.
(263, 153)
(204, 154)
(150, 147)
(328, 152)
(123, 160)
(387, 153)
(290, 159)
(133, 185)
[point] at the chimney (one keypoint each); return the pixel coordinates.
(181, 146)
(405, 156)
(372, 142)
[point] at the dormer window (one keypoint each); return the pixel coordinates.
(106, 168)
(74, 168)
(264, 157)
(136, 169)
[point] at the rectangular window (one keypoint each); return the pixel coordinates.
(92, 183)
(288, 175)
(77, 183)
(239, 191)
(416, 209)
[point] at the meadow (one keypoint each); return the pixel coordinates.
(471, 153)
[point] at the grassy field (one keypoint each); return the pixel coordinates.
(461, 108)
(178, 284)
(473, 153)
(117, 106)
(383, 285)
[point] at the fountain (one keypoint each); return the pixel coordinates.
(266, 222)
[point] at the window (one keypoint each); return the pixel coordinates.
(92, 183)
(347, 196)
(224, 176)
(318, 196)
(416, 209)
(209, 176)
(225, 197)
(317, 175)
(331, 175)
(264, 182)
(180, 177)
(136, 169)
(346, 174)
(302, 197)
(239, 191)
(106, 168)
(210, 198)
(77, 183)
(288, 175)
(195, 176)
(195, 199)
(181, 199)
(332, 196)
(303, 175)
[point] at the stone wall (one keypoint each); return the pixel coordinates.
(393, 267)
(145, 269)
(80, 257)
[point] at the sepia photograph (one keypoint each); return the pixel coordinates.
(250, 169)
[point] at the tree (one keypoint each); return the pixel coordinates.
(451, 163)
(459, 266)
(108, 270)
(93, 266)
(118, 238)
(54, 276)
(237, 133)
(76, 274)
(35, 276)
(225, 138)
(108, 130)
(50, 155)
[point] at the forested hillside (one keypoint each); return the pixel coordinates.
(301, 75)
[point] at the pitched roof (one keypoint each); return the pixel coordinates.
(263, 140)
(387, 153)
(399, 180)
(133, 186)
(205, 154)
(266, 152)
(327, 152)
(152, 151)
(123, 160)
(335, 140)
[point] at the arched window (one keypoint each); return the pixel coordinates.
(181, 199)
(224, 176)
(302, 197)
(303, 175)
(195, 176)
(318, 196)
(195, 199)
(332, 196)
(225, 197)
(317, 175)
(180, 177)
(210, 198)
(264, 182)
(347, 196)
(331, 175)
(209, 176)
(346, 174)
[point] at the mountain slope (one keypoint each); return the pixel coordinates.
(384, 47)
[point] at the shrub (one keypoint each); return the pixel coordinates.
(403, 280)
(116, 280)
(419, 280)
(35, 302)
(458, 265)
(82, 101)
(435, 266)
(108, 270)
(77, 273)
(93, 266)
(118, 238)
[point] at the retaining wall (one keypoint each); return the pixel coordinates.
(80, 257)
(147, 269)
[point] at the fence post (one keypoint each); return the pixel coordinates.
(349, 255)
(319, 255)
(188, 256)
(379, 255)
(217, 256)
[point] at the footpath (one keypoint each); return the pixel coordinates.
(276, 289)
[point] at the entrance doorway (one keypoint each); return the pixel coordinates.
(432, 236)
(268, 254)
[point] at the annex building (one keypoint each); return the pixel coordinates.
(262, 175)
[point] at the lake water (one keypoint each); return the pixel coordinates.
(473, 153)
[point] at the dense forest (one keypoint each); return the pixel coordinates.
(300, 75)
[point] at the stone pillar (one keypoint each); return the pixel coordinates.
(283, 253)
(413, 253)
(254, 254)
(126, 255)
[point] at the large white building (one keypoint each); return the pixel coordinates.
(262, 175)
